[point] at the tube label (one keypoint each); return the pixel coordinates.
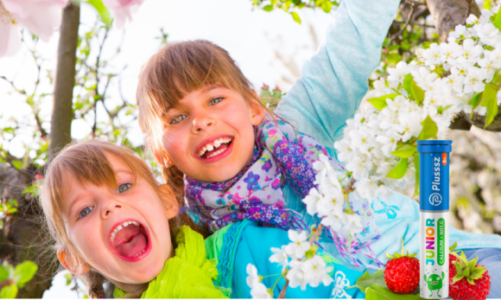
(434, 255)
(434, 181)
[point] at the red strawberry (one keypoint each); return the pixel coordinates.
(402, 272)
(470, 281)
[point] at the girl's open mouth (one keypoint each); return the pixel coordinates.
(214, 148)
(130, 240)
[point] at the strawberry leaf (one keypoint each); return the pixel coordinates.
(365, 281)
(383, 293)
(453, 247)
(457, 277)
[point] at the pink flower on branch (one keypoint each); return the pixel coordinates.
(40, 17)
(122, 10)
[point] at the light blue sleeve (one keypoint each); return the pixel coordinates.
(334, 80)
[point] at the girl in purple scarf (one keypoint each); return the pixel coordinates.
(240, 160)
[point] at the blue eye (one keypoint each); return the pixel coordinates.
(85, 211)
(215, 101)
(123, 187)
(177, 119)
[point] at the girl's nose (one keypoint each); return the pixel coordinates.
(202, 123)
(110, 207)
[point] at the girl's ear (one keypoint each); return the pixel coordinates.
(169, 200)
(162, 158)
(257, 111)
(72, 263)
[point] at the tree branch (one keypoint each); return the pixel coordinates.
(62, 111)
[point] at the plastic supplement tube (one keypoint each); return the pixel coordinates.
(434, 217)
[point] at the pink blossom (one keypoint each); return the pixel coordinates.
(40, 17)
(122, 10)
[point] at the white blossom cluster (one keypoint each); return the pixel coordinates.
(300, 265)
(469, 60)
(328, 200)
(418, 101)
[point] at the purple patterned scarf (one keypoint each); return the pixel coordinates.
(281, 154)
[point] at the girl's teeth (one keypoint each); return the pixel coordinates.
(216, 153)
(120, 227)
(210, 147)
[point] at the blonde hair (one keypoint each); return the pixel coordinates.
(88, 163)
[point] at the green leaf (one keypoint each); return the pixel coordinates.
(487, 5)
(399, 170)
(429, 130)
(383, 293)
(405, 151)
(475, 101)
(268, 8)
(32, 190)
(68, 277)
(489, 93)
(327, 6)
(407, 83)
(380, 102)
(490, 101)
(413, 90)
(393, 58)
(441, 109)
(417, 92)
(9, 291)
(17, 164)
(12, 202)
(497, 78)
(497, 20)
(296, 17)
(366, 280)
(393, 48)
(4, 273)
(24, 272)
(492, 111)
(104, 13)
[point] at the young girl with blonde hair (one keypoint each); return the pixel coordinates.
(239, 162)
(111, 221)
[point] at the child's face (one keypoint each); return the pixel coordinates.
(122, 233)
(210, 136)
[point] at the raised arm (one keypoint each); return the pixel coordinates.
(334, 80)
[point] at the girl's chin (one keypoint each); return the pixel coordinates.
(219, 174)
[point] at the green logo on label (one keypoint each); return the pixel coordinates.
(441, 253)
(435, 282)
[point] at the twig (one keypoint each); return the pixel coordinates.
(409, 18)
(284, 289)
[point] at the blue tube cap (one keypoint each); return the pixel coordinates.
(430, 146)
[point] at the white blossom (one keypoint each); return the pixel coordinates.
(260, 291)
(252, 278)
(296, 275)
(299, 245)
(280, 256)
(316, 271)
